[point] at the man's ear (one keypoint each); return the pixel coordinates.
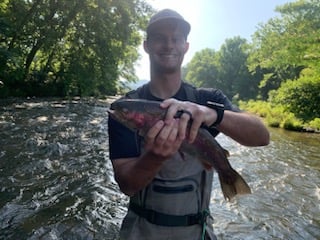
(145, 46)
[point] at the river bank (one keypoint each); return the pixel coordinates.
(279, 117)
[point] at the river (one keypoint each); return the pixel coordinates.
(56, 180)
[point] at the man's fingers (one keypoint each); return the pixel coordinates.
(154, 131)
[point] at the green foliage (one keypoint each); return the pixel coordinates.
(314, 124)
(275, 116)
(284, 46)
(202, 69)
(225, 69)
(290, 122)
(68, 47)
(233, 70)
(301, 97)
(278, 116)
(281, 67)
(260, 108)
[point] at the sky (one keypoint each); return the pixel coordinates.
(214, 21)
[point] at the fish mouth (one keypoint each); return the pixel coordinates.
(115, 114)
(109, 110)
(122, 115)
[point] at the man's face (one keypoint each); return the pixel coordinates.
(166, 46)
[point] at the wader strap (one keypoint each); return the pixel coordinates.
(168, 220)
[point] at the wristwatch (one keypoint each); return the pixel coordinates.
(220, 112)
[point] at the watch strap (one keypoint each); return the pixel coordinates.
(220, 112)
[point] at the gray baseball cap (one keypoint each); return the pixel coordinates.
(167, 14)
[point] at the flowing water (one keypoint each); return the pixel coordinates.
(56, 180)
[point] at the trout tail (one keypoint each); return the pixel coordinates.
(233, 184)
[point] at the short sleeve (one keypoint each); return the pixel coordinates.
(123, 143)
(216, 95)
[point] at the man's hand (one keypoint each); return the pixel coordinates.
(162, 139)
(191, 112)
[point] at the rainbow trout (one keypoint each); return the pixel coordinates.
(141, 115)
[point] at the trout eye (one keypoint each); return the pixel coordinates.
(125, 112)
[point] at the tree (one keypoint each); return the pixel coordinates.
(69, 47)
(287, 51)
(300, 97)
(225, 69)
(284, 46)
(202, 69)
(233, 71)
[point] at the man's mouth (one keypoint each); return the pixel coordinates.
(168, 55)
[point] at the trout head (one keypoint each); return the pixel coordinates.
(137, 114)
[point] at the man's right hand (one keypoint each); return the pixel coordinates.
(162, 139)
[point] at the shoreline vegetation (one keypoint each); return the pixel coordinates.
(278, 117)
(273, 116)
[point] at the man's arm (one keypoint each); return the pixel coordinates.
(160, 143)
(133, 174)
(244, 128)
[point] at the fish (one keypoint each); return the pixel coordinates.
(140, 115)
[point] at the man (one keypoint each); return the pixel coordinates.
(168, 192)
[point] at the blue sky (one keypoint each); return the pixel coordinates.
(213, 21)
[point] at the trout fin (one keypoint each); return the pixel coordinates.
(233, 186)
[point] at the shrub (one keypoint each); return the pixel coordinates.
(301, 97)
(314, 125)
(290, 122)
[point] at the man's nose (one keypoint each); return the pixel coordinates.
(170, 42)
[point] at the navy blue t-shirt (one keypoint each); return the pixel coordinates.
(124, 143)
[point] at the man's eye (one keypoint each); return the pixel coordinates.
(158, 39)
(178, 40)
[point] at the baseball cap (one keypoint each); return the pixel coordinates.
(167, 14)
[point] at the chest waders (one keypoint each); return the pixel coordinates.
(175, 198)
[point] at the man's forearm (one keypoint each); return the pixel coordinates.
(244, 128)
(133, 174)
